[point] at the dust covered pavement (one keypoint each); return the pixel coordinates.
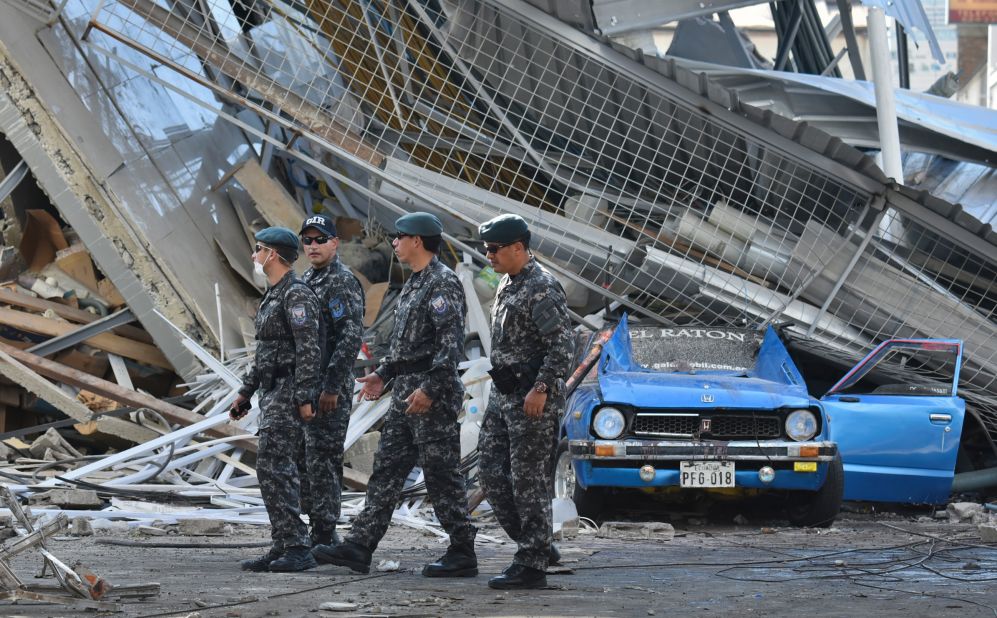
(893, 566)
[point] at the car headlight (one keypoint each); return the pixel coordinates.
(801, 425)
(608, 423)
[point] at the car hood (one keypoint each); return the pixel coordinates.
(644, 389)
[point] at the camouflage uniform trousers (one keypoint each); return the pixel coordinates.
(320, 464)
(396, 455)
(281, 435)
(515, 472)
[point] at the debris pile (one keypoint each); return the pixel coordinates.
(142, 445)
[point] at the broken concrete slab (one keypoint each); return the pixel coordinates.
(360, 456)
(51, 440)
(80, 526)
(152, 531)
(337, 606)
(964, 512)
(68, 498)
(656, 530)
(203, 527)
(988, 533)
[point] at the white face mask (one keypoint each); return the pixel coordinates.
(259, 276)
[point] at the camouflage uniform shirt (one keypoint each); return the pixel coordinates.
(429, 328)
(288, 351)
(342, 305)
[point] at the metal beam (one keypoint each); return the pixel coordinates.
(851, 41)
(849, 268)
(81, 334)
(789, 37)
(13, 179)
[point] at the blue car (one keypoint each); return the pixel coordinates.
(725, 411)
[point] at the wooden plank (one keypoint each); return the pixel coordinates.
(31, 381)
(270, 198)
(170, 412)
(111, 293)
(41, 240)
(78, 316)
(75, 262)
(108, 342)
(375, 296)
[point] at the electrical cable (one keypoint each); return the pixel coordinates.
(281, 595)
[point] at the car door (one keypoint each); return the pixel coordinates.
(897, 420)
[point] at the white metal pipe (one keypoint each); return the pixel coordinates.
(886, 107)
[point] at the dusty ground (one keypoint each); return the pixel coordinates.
(860, 567)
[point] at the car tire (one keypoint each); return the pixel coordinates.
(588, 502)
(820, 508)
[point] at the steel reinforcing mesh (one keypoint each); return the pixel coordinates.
(476, 110)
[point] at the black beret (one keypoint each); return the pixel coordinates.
(419, 224)
(504, 229)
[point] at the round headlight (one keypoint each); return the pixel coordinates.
(801, 425)
(608, 423)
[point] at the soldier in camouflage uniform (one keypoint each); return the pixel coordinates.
(342, 304)
(531, 355)
(421, 425)
(285, 373)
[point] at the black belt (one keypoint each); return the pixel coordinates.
(401, 368)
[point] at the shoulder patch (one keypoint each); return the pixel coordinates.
(439, 304)
(336, 307)
(299, 315)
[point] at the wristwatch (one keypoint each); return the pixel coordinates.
(540, 386)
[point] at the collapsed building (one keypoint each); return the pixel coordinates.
(685, 193)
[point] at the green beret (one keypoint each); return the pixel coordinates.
(419, 224)
(282, 240)
(278, 237)
(504, 229)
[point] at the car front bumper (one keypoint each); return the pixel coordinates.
(618, 463)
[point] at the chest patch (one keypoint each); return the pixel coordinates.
(336, 308)
(299, 315)
(439, 304)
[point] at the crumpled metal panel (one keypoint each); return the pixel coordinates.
(911, 14)
(614, 17)
(847, 109)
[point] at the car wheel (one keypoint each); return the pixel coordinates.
(588, 502)
(819, 509)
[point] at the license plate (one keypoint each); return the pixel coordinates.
(706, 474)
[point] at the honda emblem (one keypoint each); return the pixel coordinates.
(706, 398)
(705, 425)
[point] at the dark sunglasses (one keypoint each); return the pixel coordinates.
(260, 247)
(401, 235)
(494, 248)
(321, 240)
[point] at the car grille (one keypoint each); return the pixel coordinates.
(722, 426)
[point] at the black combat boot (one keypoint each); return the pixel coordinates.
(519, 577)
(459, 561)
(261, 564)
(294, 559)
(324, 535)
(554, 557)
(348, 554)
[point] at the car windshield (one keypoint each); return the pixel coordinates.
(925, 369)
(694, 349)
